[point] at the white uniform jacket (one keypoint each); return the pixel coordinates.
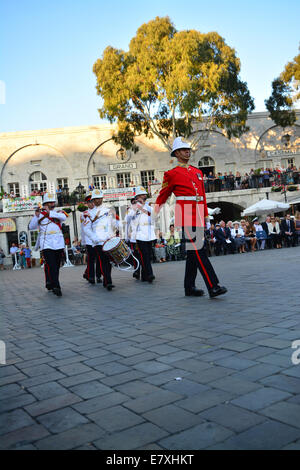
(50, 234)
(145, 224)
(131, 224)
(102, 225)
(85, 220)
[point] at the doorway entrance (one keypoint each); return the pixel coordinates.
(207, 165)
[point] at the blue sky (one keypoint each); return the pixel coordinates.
(48, 48)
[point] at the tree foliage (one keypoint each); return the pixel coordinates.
(167, 80)
(285, 93)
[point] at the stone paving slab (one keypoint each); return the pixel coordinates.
(144, 367)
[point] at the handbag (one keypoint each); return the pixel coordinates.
(261, 235)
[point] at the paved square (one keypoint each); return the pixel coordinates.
(144, 366)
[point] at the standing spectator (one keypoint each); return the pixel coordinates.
(266, 178)
(265, 227)
(230, 181)
(226, 181)
(2, 256)
(14, 251)
(211, 182)
(27, 251)
(245, 181)
(218, 182)
(205, 182)
(238, 180)
(22, 256)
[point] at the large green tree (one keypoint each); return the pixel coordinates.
(285, 94)
(168, 80)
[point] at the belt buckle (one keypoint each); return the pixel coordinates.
(198, 198)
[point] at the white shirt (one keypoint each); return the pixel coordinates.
(145, 230)
(102, 227)
(131, 224)
(85, 220)
(240, 232)
(50, 235)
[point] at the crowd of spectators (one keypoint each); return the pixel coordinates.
(245, 236)
(254, 179)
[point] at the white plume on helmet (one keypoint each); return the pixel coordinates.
(49, 198)
(179, 144)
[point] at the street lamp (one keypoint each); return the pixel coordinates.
(79, 191)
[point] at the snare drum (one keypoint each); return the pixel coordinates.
(117, 249)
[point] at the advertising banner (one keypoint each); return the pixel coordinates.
(19, 204)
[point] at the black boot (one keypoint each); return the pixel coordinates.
(194, 292)
(217, 290)
(57, 291)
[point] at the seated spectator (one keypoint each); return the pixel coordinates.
(250, 236)
(173, 243)
(78, 257)
(2, 256)
(288, 231)
(210, 239)
(260, 234)
(160, 249)
(237, 233)
(224, 239)
(274, 231)
(297, 227)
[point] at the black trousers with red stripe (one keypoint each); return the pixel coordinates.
(91, 259)
(105, 265)
(144, 251)
(197, 259)
(52, 263)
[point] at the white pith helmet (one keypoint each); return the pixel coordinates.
(49, 198)
(179, 144)
(141, 191)
(97, 194)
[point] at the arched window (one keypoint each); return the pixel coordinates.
(207, 165)
(38, 181)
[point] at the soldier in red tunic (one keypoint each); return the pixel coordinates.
(191, 214)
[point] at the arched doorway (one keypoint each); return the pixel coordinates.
(207, 165)
(229, 211)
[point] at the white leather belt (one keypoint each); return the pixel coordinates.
(190, 198)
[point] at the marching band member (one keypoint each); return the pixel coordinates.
(131, 219)
(92, 257)
(99, 229)
(50, 240)
(186, 182)
(144, 234)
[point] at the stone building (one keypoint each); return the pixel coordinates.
(69, 158)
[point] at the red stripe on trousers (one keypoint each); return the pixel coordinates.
(199, 259)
